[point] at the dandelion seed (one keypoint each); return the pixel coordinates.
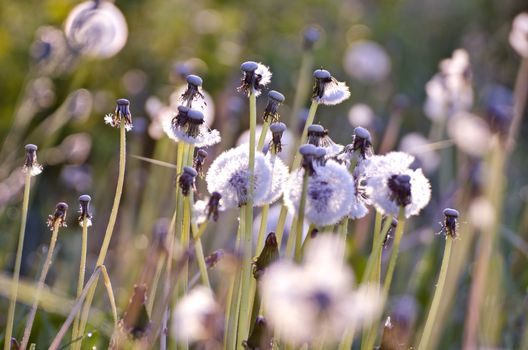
(84, 211)
(327, 90)
(256, 76)
(271, 114)
(229, 176)
(58, 217)
(189, 126)
(121, 115)
(330, 194)
(31, 165)
(519, 34)
(193, 92)
(186, 180)
(277, 130)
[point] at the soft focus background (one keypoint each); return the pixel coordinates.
(386, 51)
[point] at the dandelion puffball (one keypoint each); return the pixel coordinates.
(367, 62)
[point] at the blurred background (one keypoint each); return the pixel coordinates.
(55, 95)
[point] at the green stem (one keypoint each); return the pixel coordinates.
(82, 270)
(300, 219)
(154, 286)
(262, 137)
(200, 257)
(109, 228)
(40, 286)
(18, 263)
(431, 317)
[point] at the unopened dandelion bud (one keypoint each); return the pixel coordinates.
(121, 115)
(269, 254)
(256, 76)
(213, 259)
(327, 90)
(192, 92)
(277, 130)
(31, 165)
(310, 36)
(84, 211)
(450, 224)
(260, 337)
(59, 216)
(136, 321)
(308, 152)
(362, 143)
(271, 114)
(213, 205)
(198, 161)
(315, 133)
(186, 180)
(400, 186)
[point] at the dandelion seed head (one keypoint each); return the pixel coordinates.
(229, 176)
(519, 34)
(256, 77)
(84, 210)
(121, 115)
(58, 217)
(361, 114)
(277, 130)
(450, 224)
(367, 62)
(31, 165)
(271, 114)
(279, 177)
(327, 90)
(202, 101)
(189, 126)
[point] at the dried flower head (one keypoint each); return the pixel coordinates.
(330, 194)
(58, 218)
(186, 180)
(198, 160)
(450, 224)
(519, 34)
(136, 321)
(229, 176)
(327, 90)
(277, 130)
(189, 126)
(193, 92)
(121, 115)
(271, 113)
(31, 166)
(84, 210)
(256, 76)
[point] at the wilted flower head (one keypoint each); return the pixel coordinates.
(189, 126)
(450, 224)
(277, 130)
(84, 211)
(96, 29)
(327, 90)
(519, 34)
(58, 217)
(330, 195)
(193, 92)
(256, 76)
(367, 61)
(186, 180)
(197, 316)
(390, 184)
(198, 160)
(31, 166)
(229, 176)
(121, 115)
(315, 301)
(271, 113)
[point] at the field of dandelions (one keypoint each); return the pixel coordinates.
(263, 175)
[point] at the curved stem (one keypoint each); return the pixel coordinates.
(18, 263)
(82, 270)
(431, 317)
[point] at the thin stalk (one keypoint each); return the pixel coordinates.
(200, 257)
(109, 228)
(18, 263)
(520, 97)
(431, 317)
(262, 137)
(82, 270)
(40, 286)
(300, 219)
(154, 286)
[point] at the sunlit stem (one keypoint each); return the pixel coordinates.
(18, 263)
(82, 270)
(262, 137)
(200, 257)
(431, 317)
(300, 219)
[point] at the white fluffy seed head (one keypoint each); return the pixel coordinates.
(229, 175)
(205, 138)
(279, 177)
(519, 34)
(335, 92)
(329, 195)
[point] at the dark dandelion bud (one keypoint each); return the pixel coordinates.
(271, 114)
(136, 321)
(198, 161)
(277, 130)
(400, 186)
(193, 92)
(320, 156)
(256, 76)
(322, 77)
(213, 205)
(362, 143)
(388, 237)
(310, 36)
(121, 115)
(31, 166)
(186, 180)
(269, 254)
(308, 152)
(84, 211)
(260, 337)
(59, 216)
(195, 120)
(214, 258)
(181, 118)
(315, 133)
(450, 225)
